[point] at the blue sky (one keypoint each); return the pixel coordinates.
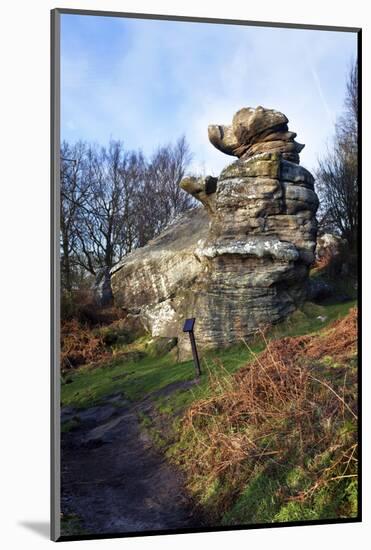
(148, 82)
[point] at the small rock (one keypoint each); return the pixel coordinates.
(328, 245)
(322, 318)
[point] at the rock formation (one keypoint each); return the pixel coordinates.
(249, 265)
(256, 131)
(149, 283)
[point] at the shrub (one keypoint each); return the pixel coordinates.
(79, 345)
(81, 306)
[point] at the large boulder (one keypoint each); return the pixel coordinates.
(240, 262)
(148, 282)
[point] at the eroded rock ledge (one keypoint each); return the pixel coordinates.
(255, 131)
(240, 262)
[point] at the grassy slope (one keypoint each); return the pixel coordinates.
(296, 484)
(138, 378)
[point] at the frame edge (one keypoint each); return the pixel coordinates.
(55, 273)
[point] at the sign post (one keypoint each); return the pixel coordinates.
(188, 327)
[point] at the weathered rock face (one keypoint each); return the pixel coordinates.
(148, 282)
(249, 265)
(255, 131)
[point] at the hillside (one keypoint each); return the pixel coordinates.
(271, 421)
(277, 441)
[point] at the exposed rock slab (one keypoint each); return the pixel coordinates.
(148, 281)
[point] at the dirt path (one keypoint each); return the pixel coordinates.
(114, 479)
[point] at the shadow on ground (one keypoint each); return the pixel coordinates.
(42, 528)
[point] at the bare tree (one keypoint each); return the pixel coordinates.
(161, 199)
(133, 177)
(105, 229)
(113, 201)
(347, 127)
(337, 173)
(73, 196)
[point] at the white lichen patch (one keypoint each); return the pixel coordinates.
(158, 318)
(258, 247)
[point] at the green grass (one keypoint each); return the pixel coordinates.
(261, 501)
(88, 386)
(71, 525)
(137, 378)
(305, 320)
(69, 425)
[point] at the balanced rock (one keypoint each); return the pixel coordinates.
(243, 260)
(255, 131)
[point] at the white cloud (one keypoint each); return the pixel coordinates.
(178, 78)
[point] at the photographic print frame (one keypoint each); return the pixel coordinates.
(56, 274)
